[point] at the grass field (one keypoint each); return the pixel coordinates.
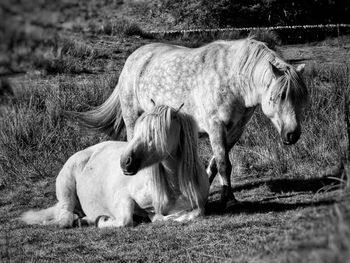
(294, 200)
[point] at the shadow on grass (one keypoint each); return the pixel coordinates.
(252, 207)
(330, 182)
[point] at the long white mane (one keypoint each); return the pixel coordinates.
(156, 125)
(253, 70)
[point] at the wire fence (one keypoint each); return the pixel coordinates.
(287, 34)
(228, 29)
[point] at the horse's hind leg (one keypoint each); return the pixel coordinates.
(130, 113)
(130, 120)
(67, 197)
(122, 212)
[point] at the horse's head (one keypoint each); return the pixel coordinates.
(156, 138)
(283, 100)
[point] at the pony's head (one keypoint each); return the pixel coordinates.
(283, 100)
(156, 137)
(165, 134)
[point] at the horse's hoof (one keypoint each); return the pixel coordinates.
(227, 198)
(100, 220)
(231, 202)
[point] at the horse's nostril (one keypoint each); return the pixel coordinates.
(128, 161)
(293, 137)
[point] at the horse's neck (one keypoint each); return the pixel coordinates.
(252, 88)
(251, 97)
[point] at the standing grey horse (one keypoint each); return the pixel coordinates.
(220, 85)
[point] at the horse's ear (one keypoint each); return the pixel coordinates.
(300, 68)
(154, 104)
(276, 71)
(180, 107)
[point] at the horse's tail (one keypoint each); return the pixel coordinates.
(40, 217)
(106, 118)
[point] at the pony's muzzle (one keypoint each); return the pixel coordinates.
(129, 164)
(290, 138)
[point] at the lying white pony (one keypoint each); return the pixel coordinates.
(158, 174)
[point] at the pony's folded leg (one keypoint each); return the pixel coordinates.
(66, 194)
(122, 212)
(159, 217)
(106, 221)
(189, 215)
(179, 216)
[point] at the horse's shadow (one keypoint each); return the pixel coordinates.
(253, 207)
(278, 186)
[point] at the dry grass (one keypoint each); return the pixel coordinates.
(199, 38)
(34, 130)
(117, 27)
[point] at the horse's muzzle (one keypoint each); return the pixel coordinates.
(290, 138)
(129, 164)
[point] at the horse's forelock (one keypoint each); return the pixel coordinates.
(155, 126)
(291, 83)
(297, 88)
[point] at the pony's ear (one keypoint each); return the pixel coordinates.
(180, 107)
(154, 104)
(300, 68)
(276, 71)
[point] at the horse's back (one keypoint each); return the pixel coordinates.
(200, 78)
(81, 158)
(98, 161)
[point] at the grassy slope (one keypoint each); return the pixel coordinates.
(290, 210)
